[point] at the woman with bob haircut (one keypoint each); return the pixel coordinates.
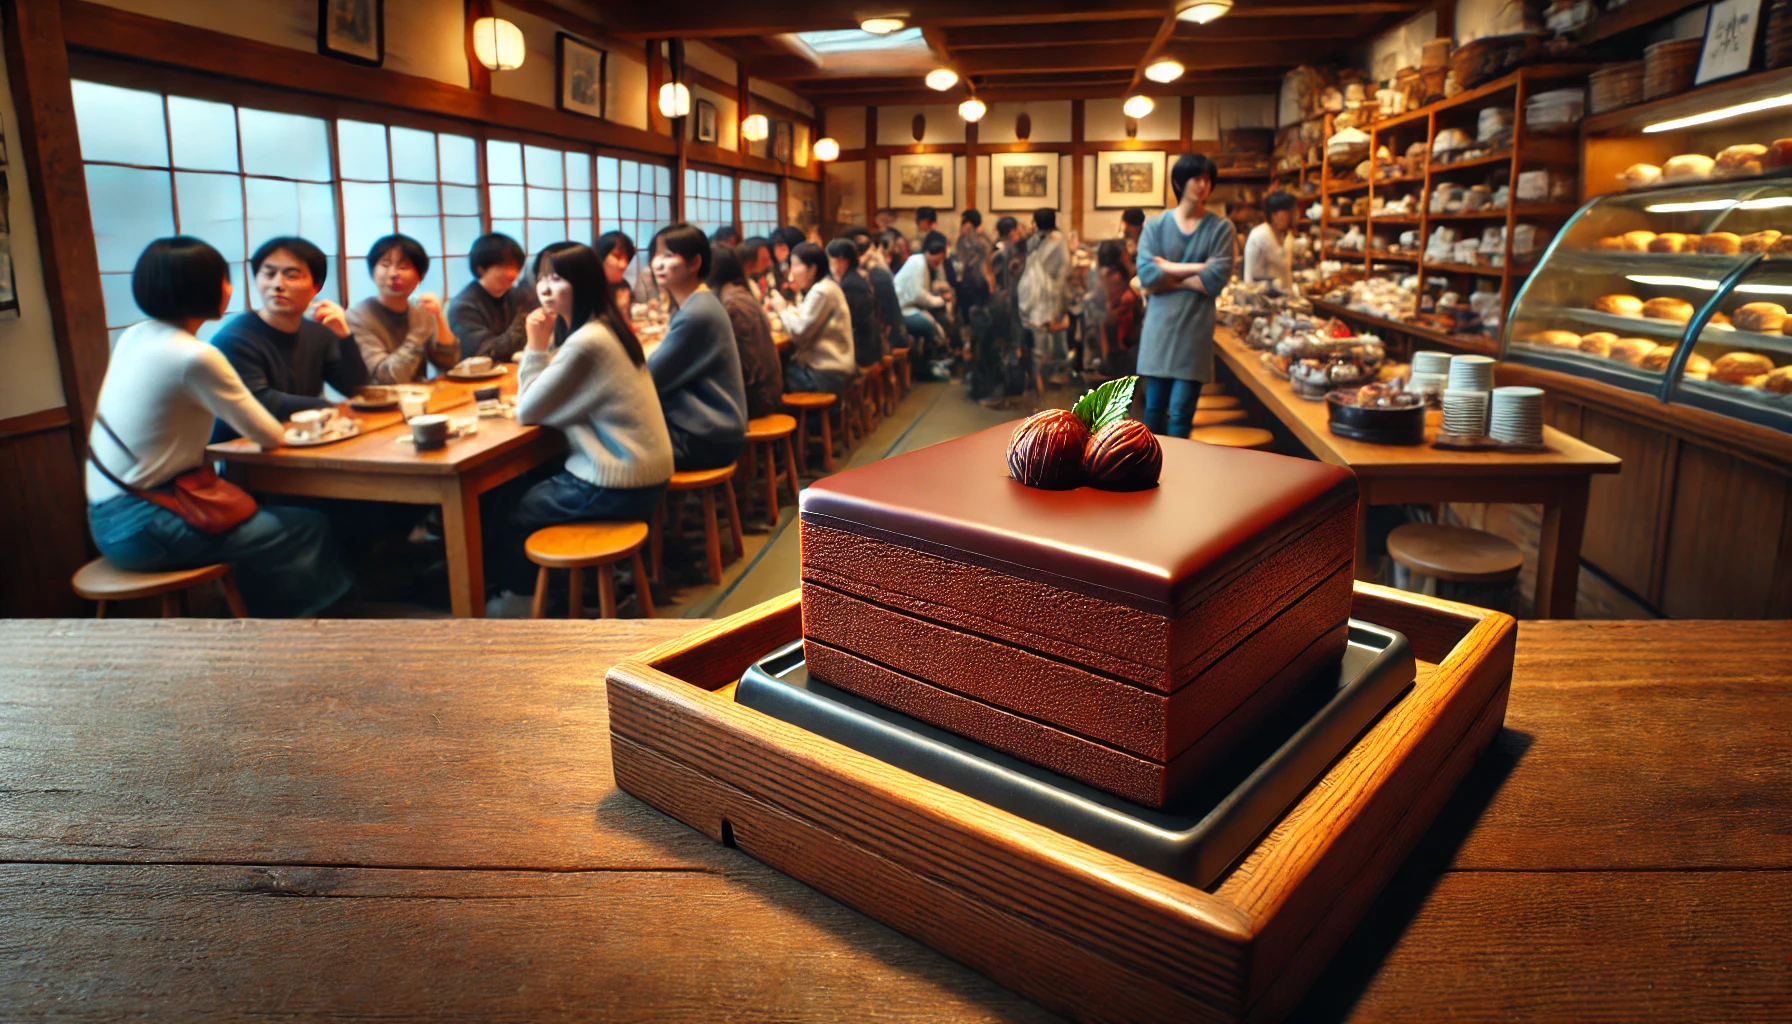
(163, 388)
(697, 366)
(821, 328)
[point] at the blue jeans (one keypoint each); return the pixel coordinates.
(284, 559)
(798, 377)
(564, 498)
(1170, 405)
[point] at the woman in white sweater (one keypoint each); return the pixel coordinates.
(821, 327)
(596, 389)
(162, 389)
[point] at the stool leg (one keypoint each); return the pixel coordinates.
(606, 589)
(712, 535)
(538, 608)
(827, 442)
(233, 599)
(99, 611)
(771, 482)
(790, 464)
(643, 592)
(656, 549)
(749, 473)
(802, 438)
(575, 602)
(740, 545)
(171, 606)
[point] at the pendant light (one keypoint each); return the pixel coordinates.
(1202, 11)
(941, 79)
(498, 44)
(972, 109)
(1164, 71)
(881, 26)
(756, 128)
(1137, 106)
(826, 150)
(675, 100)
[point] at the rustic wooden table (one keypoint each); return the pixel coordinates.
(328, 820)
(1557, 479)
(378, 466)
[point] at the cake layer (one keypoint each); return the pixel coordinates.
(1145, 648)
(1065, 695)
(1141, 780)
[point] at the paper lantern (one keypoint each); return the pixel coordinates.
(755, 128)
(1137, 106)
(675, 99)
(498, 44)
(827, 149)
(972, 109)
(941, 79)
(1164, 71)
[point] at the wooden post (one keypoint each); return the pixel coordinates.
(1076, 166)
(479, 77)
(656, 77)
(1188, 124)
(870, 166)
(970, 165)
(678, 137)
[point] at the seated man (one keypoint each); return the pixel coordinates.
(914, 289)
(287, 350)
(395, 330)
(487, 316)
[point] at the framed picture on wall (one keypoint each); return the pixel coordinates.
(783, 135)
(584, 87)
(1129, 177)
(706, 122)
(1022, 181)
(922, 179)
(352, 30)
(1730, 30)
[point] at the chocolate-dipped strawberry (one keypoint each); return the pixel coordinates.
(1123, 456)
(1047, 450)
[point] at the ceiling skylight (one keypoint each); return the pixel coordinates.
(854, 40)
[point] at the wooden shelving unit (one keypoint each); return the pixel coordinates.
(1528, 151)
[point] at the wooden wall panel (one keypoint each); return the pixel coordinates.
(1623, 511)
(43, 516)
(1723, 553)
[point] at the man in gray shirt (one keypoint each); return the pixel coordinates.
(396, 333)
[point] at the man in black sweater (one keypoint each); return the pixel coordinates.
(284, 356)
(487, 316)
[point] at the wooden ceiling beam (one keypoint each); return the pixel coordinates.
(1231, 86)
(770, 16)
(1001, 37)
(1164, 31)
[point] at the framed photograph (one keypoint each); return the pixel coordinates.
(584, 88)
(783, 136)
(706, 122)
(352, 30)
(1129, 177)
(1730, 30)
(1022, 181)
(922, 179)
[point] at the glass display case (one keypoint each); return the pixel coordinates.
(1676, 292)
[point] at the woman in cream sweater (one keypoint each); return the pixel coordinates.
(821, 327)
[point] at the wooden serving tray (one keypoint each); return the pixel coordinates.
(1079, 930)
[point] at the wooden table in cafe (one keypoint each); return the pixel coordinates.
(325, 820)
(377, 465)
(1558, 479)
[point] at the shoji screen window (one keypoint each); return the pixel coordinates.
(162, 165)
(758, 208)
(634, 198)
(411, 182)
(708, 199)
(538, 195)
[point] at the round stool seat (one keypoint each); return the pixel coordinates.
(1213, 388)
(576, 545)
(1255, 438)
(697, 479)
(770, 428)
(1219, 402)
(1455, 553)
(100, 580)
(1219, 417)
(887, 360)
(807, 400)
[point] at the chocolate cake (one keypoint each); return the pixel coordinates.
(1125, 639)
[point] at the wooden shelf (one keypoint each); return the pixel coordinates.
(1402, 179)
(1339, 190)
(1391, 257)
(1465, 268)
(1729, 92)
(1501, 157)
(1401, 220)
(1499, 214)
(1471, 342)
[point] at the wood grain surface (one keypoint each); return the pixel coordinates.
(434, 802)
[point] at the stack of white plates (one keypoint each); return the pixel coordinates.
(1471, 373)
(1517, 415)
(1430, 372)
(1465, 412)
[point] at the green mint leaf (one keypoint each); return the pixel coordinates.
(1106, 404)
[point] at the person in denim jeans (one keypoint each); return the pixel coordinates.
(1185, 259)
(163, 388)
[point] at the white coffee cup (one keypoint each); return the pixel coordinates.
(310, 424)
(411, 404)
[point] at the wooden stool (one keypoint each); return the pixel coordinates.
(100, 581)
(1455, 562)
(802, 403)
(704, 481)
(872, 409)
(851, 411)
(1219, 417)
(1254, 438)
(903, 369)
(1218, 402)
(765, 435)
(1213, 388)
(892, 386)
(580, 546)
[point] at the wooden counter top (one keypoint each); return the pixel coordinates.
(319, 820)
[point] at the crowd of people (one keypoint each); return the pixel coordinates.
(996, 308)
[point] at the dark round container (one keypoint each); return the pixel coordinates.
(1376, 426)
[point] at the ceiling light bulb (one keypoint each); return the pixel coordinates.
(755, 128)
(881, 26)
(498, 44)
(1164, 71)
(1137, 106)
(1202, 11)
(941, 79)
(826, 150)
(972, 109)
(675, 100)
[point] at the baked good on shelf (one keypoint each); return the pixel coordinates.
(1598, 343)
(1687, 167)
(1638, 241)
(1619, 305)
(1721, 243)
(1697, 367)
(1611, 243)
(1741, 367)
(1631, 350)
(1720, 321)
(1640, 175)
(1779, 381)
(1668, 241)
(1760, 241)
(1657, 358)
(1783, 247)
(1778, 155)
(1678, 310)
(1760, 317)
(1557, 339)
(1739, 161)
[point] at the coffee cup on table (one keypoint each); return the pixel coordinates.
(412, 404)
(429, 432)
(310, 424)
